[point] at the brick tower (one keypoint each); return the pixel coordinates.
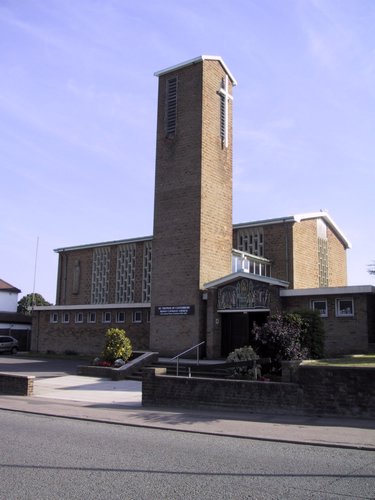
(193, 198)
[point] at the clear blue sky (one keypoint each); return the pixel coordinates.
(78, 117)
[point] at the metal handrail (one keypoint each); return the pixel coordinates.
(187, 350)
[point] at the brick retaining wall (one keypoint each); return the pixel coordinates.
(338, 390)
(320, 391)
(16, 385)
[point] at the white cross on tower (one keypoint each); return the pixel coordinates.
(224, 110)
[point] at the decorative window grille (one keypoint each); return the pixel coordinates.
(100, 275)
(251, 241)
(171, 107)
(125, 273)
(147, 267)
(322, 253)
(223, 120)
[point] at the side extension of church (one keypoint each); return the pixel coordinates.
(199, 278)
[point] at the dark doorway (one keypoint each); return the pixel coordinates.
(236, 329)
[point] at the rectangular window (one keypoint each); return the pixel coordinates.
(171, 107)
(54, 318)
(78, 317)
(148, 316)
(344, 307)
(106, 317)
(91, 317)
(137, 316)
(120, 317)
(320, 306)
(65, 317)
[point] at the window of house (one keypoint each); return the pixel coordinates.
(106, 317)
(120, 317)
(320, 306)
(344, 307)
(137, 316)
(54, 318)
(78, 317)
(91, 317)
(65, 317)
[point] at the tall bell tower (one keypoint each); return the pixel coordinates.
(193, 198)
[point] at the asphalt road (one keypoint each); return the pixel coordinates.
(51, 458)
(40, 368)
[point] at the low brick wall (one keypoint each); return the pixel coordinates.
(323, 391)
(16, 385)
(338, 390)
(271, 397)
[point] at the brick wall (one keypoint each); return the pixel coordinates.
(320, 391)
(85, 338)
(337, 273)
(193, 205)
(16, 385)
(305, 254)
(338, 391)
(343, 335)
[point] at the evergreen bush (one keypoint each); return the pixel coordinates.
(245, 353)
(117, 345)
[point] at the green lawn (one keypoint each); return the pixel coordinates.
(359, 360)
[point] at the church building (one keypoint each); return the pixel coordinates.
(199, 278)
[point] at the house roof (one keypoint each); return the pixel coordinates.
(4, 286)
(298, 218)
(195, 61)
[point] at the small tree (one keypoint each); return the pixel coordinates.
(117, 345)
(30, 300)
(371, 268)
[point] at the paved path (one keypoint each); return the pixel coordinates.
(119, 402)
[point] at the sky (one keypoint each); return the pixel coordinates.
(78, 118)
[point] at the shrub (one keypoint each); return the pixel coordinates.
(245, 353)
(280, 339)
(312, 334)
(117, 345)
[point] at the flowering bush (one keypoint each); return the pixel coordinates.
(117, 345)
(245, 353)
(279, 339)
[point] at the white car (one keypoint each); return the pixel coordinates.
(8, 344)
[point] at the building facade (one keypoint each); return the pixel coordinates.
(198, 278)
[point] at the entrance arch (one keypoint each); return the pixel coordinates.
(236, 328)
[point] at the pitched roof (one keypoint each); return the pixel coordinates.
(7, 287)
(298, 218)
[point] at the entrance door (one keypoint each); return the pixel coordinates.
(236, 329)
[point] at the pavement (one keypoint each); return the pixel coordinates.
(120, 402)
